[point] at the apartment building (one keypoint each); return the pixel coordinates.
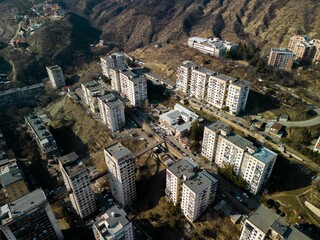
(316, 50)
(184, 75)
(22, 96)
(195, 190)
(301, 47)
(114, 75)
(264, 224)
(91, 90)
(211, 136)
(43, 137)
(112, 112)
(114, 60)
(133, 87)
(121, 173)
(257, 167)
(281, 59)
(223, 147)
(216, 89)
(199, 82)
(212, 46)
(77, 182)
(56, 76)
(29, 217)
(113, 224)
(12, 181)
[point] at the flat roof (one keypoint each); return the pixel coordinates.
(22, 205)
(108, 97)
(199, 181)
(204, 70)
(218, 126)
(54, 67)
(282, 50)
(129, 73)
(239, 141)
(38, 127)
(264, 155)
(114, 103)
(263, 218)
(184, 167)
(72, 164)
(118, 151)
(90, 83)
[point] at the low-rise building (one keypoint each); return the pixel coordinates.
(194, 189)
(76, 179)
(213, 46)
(281, 59)
(22, 96)
(42, 135)
(112, 112)
(113, 224)
(178, 120)
(317, 146)
(56, 76)
(263, 224)
(12, 181)
(29, 217)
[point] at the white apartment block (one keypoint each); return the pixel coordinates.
(184, 76)
(257, 167)
(237, 96)
(133, 87)
(224, 148)
(216, 89)
(91, 90)
(199, 82)
(115, 79)
(263, 224)
(212, 46)
(211, 135)
(113, 225)
(114, 60)
(76, 180)
(194, 190)
(56, 77)
(112, 112)
(121, 173)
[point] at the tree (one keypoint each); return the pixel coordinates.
(228, 173)
(196, 131)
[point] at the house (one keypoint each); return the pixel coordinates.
(283, 118)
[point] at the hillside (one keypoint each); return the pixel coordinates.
(137, 23)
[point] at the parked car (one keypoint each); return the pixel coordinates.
(239, 198)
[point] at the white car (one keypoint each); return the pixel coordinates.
(239, 198)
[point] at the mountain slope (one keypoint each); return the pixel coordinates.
(137, 23)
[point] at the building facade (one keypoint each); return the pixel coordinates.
(281, 59)
(263, 224)
(133, 87)
(226, 148)
(195, 190)
(114, 60)
(114, 75)
(121, 173)
(112, 112)
(29, 217)
(56, 76)
(91, 90)
(113, 225)
(218, 90)
(77, 182)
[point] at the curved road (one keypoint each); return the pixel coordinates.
(306, 123)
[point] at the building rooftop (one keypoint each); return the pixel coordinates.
(108, 98)
(114, 103)
(54, 67)
(129, 73)
(10, 174)
(111, 222)
(91, 83)
(218, 126)
(189, 64)
(240, 83)
(282, 50)
(239, 141)
(185, 167)
(72, 164)
(204, 70)
(185, 111)
(38, 127)
(22, 205)
(264, 219)
(118, 151)
(200, 181)
(264, 155)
